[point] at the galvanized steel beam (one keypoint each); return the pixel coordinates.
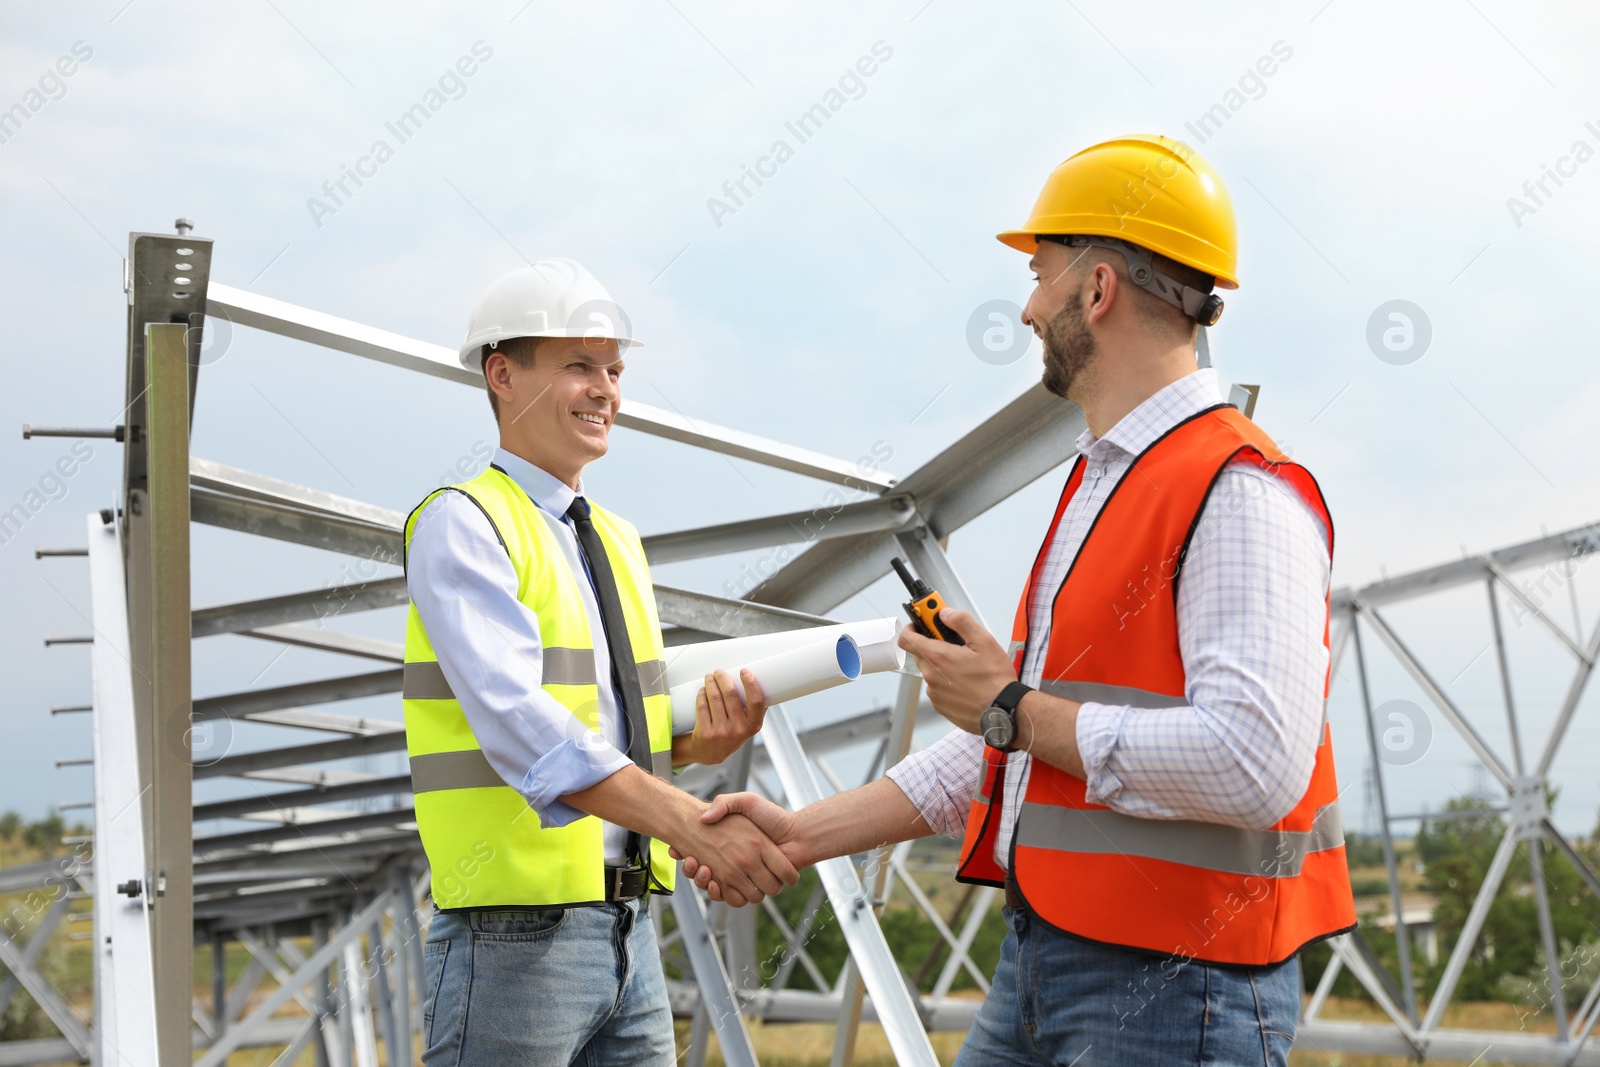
(343, 335)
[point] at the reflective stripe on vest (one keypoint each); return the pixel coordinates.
(470, 769)
(484, 843)
(562, 666)
(1199, 890)
(1228, 849)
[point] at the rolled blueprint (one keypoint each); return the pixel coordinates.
(786, 674)
(875, 638)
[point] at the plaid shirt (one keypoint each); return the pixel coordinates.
(1251, 613)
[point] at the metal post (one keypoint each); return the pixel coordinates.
(716, 988)
(219, 983)
(380, 993)
(739, 924)
(699, 1036)
(901, 727)
(393, 993)
(408, 962)
(124, 985)
(327, 1043)
(357, 1006)
(1547, 934)
(1402, 939)
(896, 1006)
(1505, 677)
(159, 606)
(340, 1004)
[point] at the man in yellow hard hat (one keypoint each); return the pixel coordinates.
(1145, 770)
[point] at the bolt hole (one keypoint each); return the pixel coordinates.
(184, 266)
(185, 251)
(181, 296)
(181, 280)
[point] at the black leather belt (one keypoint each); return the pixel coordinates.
(626, 883)
(1014, 893)
(621, 883)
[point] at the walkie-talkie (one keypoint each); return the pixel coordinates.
(924, 605)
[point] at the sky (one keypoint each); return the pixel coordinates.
(1394, 153)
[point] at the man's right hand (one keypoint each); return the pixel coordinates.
(777, 824)
(750, 866)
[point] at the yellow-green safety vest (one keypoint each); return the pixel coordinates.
(484, 843)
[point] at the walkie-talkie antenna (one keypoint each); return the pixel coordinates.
(916, 586)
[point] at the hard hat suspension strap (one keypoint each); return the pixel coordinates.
(1205, 308)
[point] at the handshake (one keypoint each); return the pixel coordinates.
(742, 849)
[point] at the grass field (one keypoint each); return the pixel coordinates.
(68, 966)
(811, 1045)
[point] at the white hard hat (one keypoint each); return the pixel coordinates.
(550, 298)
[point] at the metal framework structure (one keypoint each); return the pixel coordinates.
(1525, 780)
(351, 882)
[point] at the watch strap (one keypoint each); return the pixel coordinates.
(1011, 696)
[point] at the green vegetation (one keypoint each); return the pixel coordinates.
(70, 972)
(1507, 959)
(1441, 870)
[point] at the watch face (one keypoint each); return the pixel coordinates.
(998, 728)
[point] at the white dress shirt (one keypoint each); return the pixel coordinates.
(1251, 609)
(465, 589)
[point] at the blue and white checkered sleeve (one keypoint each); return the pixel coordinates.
(1251, 617)
(942, 779)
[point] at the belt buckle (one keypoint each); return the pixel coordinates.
(619, 875)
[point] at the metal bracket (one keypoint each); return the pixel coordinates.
(1528, 808)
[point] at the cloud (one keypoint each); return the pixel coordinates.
(1376, 167)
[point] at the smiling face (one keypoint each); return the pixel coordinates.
(556, 410)
(1055, 311)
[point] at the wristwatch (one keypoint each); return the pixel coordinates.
(998, 723)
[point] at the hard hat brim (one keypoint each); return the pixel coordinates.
(471, 358)
(1028, 241)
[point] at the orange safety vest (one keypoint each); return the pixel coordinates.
(1194, 890)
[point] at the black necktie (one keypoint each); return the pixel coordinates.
(624, 672)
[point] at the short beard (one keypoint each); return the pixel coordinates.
(1070, 350)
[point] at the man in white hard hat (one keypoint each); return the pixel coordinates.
(538, 721)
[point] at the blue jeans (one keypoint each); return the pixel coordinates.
(1057, 1000)
(545, 988)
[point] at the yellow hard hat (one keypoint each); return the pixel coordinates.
(1145, 189)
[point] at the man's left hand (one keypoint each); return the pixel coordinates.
(723, 719)
(962, 680)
